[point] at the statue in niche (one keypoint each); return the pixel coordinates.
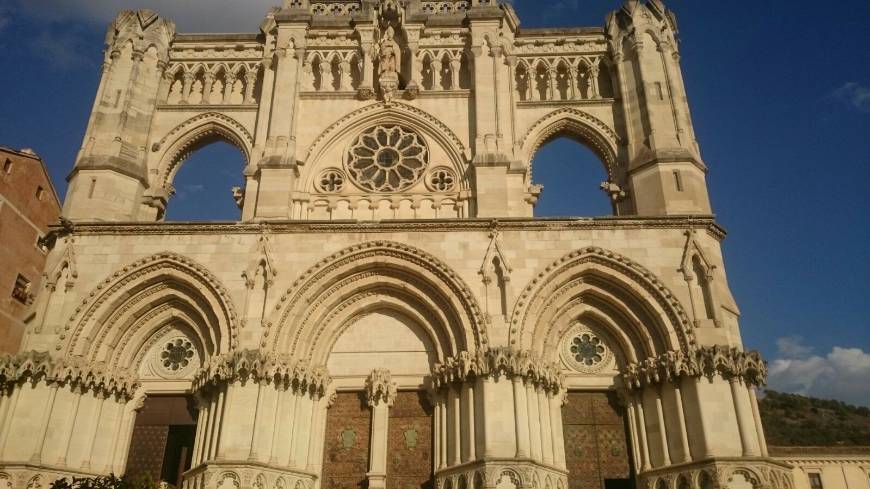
(388, 74)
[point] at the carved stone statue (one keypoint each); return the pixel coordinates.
(388, 74)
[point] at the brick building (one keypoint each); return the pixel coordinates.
(28, 204)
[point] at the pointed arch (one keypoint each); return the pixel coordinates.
(577, 124)
(618, 295)
(193, 134)
(136, 301)
(327, 298)
(54, 270)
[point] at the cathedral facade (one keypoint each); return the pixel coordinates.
(387, 313)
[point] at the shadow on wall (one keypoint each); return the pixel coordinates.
(204, 183)
(571, 175)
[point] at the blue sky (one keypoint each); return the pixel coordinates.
(780, 97)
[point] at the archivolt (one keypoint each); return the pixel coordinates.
(369, 276)
(617, 293)
(137, 300)
(578, 124)
(192, 134)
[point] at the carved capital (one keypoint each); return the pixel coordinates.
(263, 367)
(380, 388)
(75, 372)
(497, 363)
(714, 361)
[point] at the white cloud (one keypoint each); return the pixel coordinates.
(842, 374)
(189, 15)
(855, 95)
(62, 50)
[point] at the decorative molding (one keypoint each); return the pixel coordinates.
(74, 372)
(726, 362)
(262, 255)
(259, 366)
(497, 363)
(381, 388)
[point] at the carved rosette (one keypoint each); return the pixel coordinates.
(380, 388)
(75, 372)
(282, 371)
(728, 363)
(496, 363)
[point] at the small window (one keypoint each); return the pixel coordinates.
(21, 291)
(815, 480)
(7, 167)
(678, 181)
(40, 192)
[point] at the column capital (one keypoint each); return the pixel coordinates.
(380, 388)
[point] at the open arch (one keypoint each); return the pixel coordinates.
(636, 309)
(375, 276)
(137, 301)
(571, 176)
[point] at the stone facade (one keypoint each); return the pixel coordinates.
(28, 205)
(388, 313)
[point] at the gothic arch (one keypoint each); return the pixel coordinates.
(577, 124)
(370, 276)
(135, 302)
(616, 293)
(193, 134)
(396, 113)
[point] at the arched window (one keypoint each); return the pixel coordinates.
(204, 185)
(571, 175)
(704, 292)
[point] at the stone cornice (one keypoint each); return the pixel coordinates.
(707, 223)
(258, 366)
(74, 372)
(726, 362)
(496, 363)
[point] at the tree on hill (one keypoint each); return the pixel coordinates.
(795, 420)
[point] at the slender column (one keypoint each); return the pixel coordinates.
(534, 418)
(280, 407)
(455, 407)
(326, 78)
(368, 65)
(316, 435)
(521, 414)
(436, 435)
(202, 413)
(225, 401)
(207, 86)
(185, 90)
(534, 74)
(486, 394)
(594, 70)
(230, 82)
(294, 407)
(345, 76)
(210, 430)
(455, 67)
(558, 433)
(759, 428)
(116, 430)
(68, 429)
(414, 68)
(124, 443)
(437, 74)
(442, 413)
(681, 422)
(250, 83)
(7, 422)
(745, 421)
(635, 443)
(472, 424)
(663, 431)
(641, 430)
(574, 92)
(553, 87)
(258, 414)
(381, 393)
(89, 452)
(546, 427)
(43, 427)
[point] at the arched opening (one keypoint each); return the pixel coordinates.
(208, 186)
(571, 175)
(702, 289)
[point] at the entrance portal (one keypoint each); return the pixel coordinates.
(162, 444)
(347, 443)
(409, 449)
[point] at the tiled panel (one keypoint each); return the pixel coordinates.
(409, 449)
(346, 451)
(147, 447)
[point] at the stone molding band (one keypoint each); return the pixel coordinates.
(728, 363)
(74, 372)
(258, 366)
(496, 363)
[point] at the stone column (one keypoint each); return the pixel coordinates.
(745, 421)
(207, 86)
(455, 67)
(381, 394)
(229, 83)
(753, 399)
(250, 84)
(185, 90)
(521, 414)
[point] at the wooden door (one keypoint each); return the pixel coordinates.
(409, 446)
(347, 443)
(596, 442)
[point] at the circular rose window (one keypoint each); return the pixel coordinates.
(584, 350)
(387, 159)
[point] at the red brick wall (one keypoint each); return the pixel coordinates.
(23, 218)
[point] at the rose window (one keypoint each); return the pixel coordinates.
(387, 159)
(441, 180)
(331, 181)
(587, 349)
(177, 354)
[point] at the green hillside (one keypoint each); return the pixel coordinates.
(793, 420)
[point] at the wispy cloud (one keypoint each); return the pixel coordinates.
(855, 95)
(62, 50)
(841, 374)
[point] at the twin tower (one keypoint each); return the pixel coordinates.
(387, 313)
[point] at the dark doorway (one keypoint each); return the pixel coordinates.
(161, 448)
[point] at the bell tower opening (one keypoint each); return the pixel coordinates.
(566, 167)
(207, 186)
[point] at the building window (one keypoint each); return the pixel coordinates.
(678, 181)
(21, 291)
(815, 480)
(7, 167)
(40, 192)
